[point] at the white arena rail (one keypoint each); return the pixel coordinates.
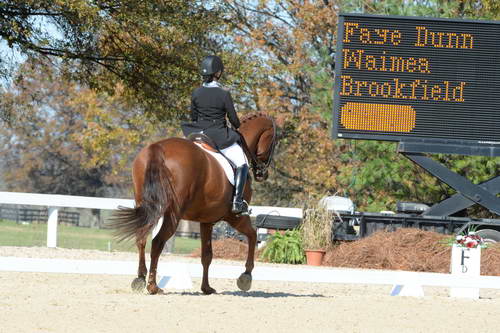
(56, 201)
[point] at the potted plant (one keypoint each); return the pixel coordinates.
(316, 232)
(284, 248)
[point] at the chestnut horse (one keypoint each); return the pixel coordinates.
(176, 179)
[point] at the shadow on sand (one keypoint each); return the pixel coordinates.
(259, 294)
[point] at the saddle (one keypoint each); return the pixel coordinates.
(204, 141)
(208, 144)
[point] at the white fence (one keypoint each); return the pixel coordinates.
(55, 201)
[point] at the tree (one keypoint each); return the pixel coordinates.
(287, 38)
(67, 139)
(152, 47)
(289, 42)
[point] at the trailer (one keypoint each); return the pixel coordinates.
(358, 225)
(351, 225)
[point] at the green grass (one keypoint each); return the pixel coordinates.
(13, 234)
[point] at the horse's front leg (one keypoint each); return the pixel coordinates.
(244, 225)
(206, 255)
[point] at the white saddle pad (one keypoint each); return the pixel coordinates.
(222, 162)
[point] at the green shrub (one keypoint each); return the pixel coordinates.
(285, 249)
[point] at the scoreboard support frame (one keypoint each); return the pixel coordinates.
(467, 194)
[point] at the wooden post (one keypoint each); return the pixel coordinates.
(52, 227)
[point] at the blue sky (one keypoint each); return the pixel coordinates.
(13, 57)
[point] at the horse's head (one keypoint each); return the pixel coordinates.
(260, 133)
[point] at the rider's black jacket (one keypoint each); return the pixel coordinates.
(209, 107)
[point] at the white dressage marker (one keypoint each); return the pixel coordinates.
(414, 290)
(466, 263)
(177, 277)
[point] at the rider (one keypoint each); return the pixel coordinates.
(210, 104)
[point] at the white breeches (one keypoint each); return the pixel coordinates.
(235, 154)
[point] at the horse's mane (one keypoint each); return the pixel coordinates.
(254, 115)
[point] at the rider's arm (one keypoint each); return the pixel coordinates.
(231, 112)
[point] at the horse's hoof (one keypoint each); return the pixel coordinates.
(244, 282)
(155, 291)
(208, 290)
(138, 284)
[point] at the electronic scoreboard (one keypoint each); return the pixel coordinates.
(404, 79)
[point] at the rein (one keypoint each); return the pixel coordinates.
(258, 167)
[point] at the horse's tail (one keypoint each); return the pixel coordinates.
(158, 197)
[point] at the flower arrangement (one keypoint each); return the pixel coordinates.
(470, 241)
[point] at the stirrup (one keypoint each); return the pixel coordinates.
(240, 208)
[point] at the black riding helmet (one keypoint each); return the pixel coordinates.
(211, 65)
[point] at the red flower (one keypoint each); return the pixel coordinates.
(469, 241)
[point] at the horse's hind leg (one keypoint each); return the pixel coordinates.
(139, 282)
(244, 225)
(167, 230)
(206, 255)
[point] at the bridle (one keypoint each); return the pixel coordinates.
(259, 168)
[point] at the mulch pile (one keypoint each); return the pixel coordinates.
(404, 249)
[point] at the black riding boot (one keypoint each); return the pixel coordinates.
(239, 205)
